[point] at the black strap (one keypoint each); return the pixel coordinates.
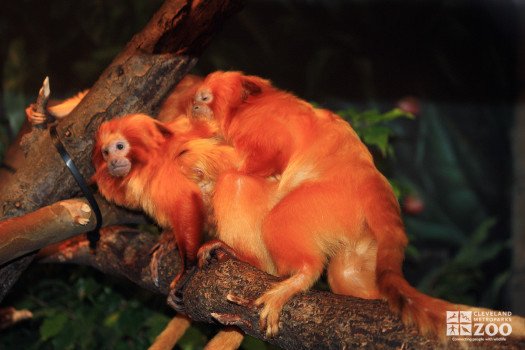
(93, 236)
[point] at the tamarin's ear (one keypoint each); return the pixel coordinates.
(250, 87)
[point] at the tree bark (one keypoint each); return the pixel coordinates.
(311, 320)
(139, 78)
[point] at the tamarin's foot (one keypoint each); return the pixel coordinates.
(271, 304)
(175, 295)
(215, 249)
(159, 250)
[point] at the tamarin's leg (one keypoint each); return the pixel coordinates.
(299, 233)
(187, 221)
(240, 203)
(352, 269)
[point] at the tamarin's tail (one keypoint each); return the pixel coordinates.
(428, 314)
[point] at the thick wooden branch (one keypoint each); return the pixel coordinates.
(122, 252)
(312, 320)
(58, 222)
(137, 80)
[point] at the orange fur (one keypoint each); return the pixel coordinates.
(298, 192)
(172, 176)
(192, 158)
(177, 101)
(163, 165)
(329, 206)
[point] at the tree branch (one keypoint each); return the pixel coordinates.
(58, 222)
(311, 320)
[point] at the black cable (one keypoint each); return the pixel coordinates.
(93, 236)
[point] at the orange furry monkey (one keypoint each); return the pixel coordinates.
(168, 171)
(329, 208)
(142, 164)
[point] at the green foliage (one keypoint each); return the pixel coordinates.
(52, 326)
(371, 126)
(192, 339)
(80, 309)
(462, 275)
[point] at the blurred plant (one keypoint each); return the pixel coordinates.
(77, 308)
(459, 244)
(461, 276)
(372, 128)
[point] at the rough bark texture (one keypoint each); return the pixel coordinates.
(312, 320)
(151, 64)
(121, 252)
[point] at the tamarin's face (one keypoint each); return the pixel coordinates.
(123, 143)
(201, 105)
(115, 153)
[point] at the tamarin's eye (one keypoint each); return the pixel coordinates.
(120, 146)
(105, 152)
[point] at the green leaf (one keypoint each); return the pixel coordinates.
(411, 250)
(193, 338)
(111, 319)
(253, 343)
(156, 323)
(491, 296)
(396, 113)
(52, 326)
(371, 128)
(377, 136)
(374, 117)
